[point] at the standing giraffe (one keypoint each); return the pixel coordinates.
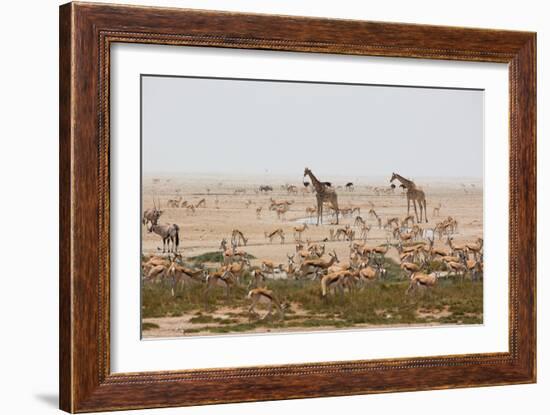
(413, 193)
(323, 193)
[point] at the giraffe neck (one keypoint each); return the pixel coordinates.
(408, 183)
(316, 183)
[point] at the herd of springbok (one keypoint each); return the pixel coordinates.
(414, 242)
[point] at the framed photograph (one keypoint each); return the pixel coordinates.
(258, 207)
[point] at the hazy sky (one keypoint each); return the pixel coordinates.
(192, 125)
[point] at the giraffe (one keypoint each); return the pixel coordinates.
(415, 194)
(323, 193)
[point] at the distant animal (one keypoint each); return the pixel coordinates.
(266, 188)
(349, 187)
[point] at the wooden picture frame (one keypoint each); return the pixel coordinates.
(86, 33)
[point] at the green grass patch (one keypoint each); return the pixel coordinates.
(451, 301)
(214, 256)
(149, 326)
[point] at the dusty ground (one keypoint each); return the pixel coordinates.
(227, 209)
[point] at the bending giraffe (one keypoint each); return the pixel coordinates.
(413, 193)
(324, 194)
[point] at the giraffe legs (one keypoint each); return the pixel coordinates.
(425, 211)
(415, 211)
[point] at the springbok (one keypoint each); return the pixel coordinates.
(220, 278)
(258, 295)
(372, 212)
(277, 232)
(298, 230)
(315, 266)
(335, 280)
(420, 279)
(310, 211)
(237, 236)
(201, 203)
(476, 247)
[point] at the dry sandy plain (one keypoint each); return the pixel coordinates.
(227, 208)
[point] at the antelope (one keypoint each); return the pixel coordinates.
(456, 248)
(369, 274)
(372, 212)
(410, 268)
(364, 251)
(341, 232)
(359, 222)
(178, 273)
(381, 249)
(231, 255)
(157, 271)
(403, 236)
(406, 220)
(257, 279)
(475, 247)
(190, 209)
(456, 267)
(290, 268)
(298, 230)
(436, 251)
(277, 232)
(281, 212)
(152, 215)
(153, 262)
(390, 222)
(237, 236)
(316, 250)
(416, 231)
(264, 295)
(279, 203)
(220, 278)
(474, 266)
(335, 280)
(174, 203)
(201, 203)
(317, 265)
(313, 251)
(420, 279)
(237, 268)
(365, 229)
(169, 234)
(259, 212)
(267, 266)
(311, 211)
(291, 189)
(449, 258)
(436, 210)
